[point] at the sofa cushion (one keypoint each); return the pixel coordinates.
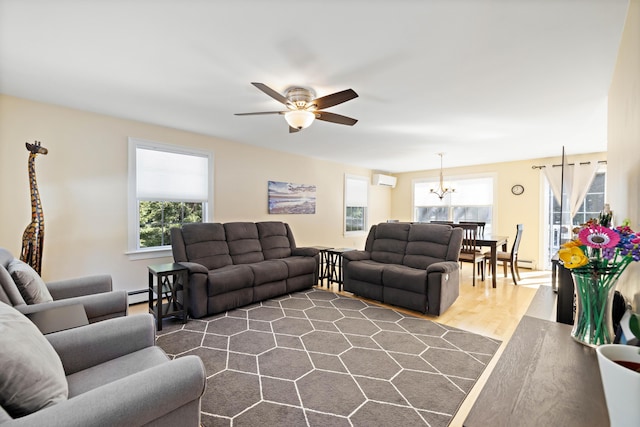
(274, 240)
(9, 293)
(244, 242)
(29, 283)
(428, 243)
(205, 244)
(390, 243)
(32, 376)
(300, 265)
(268, 271)
(229, 278)
(406, 278)
(367, 271)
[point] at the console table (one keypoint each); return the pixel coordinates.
(543, 378)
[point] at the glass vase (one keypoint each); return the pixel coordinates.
(594, 289)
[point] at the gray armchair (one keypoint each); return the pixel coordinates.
(95, 293)
(113, 375)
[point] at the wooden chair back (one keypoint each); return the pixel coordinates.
(516, 242)
(479, 224)
(469, 238)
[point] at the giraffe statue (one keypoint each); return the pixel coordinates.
(33, 236)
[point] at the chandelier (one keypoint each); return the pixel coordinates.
(441, 191)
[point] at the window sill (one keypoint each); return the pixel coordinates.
(149, 253)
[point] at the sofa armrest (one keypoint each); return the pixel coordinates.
(443, 267)
(87, 346)
(97, 307)
(194, 267)
(69, 288)
(136, 400)
(311, 252)
(356, 255)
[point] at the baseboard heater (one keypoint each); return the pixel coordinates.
(138, 300)
(526, 263)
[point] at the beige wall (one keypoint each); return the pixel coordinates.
(623, 180)
(83, 187)
(509, 209)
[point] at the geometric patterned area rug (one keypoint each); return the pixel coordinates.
(317, 358)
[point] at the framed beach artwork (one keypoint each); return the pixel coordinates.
(289, 198)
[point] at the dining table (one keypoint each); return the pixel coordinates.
(493, 242)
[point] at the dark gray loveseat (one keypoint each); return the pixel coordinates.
(239, 263)
(408, 265)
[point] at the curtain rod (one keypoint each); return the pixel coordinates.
(568, 164)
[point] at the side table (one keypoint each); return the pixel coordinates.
(170, 279)
(57, 319)
(334, 266)
(323, 265)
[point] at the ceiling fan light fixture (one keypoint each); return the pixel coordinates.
(299, 119)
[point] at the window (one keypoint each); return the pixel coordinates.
(590, 208)
(472, 201)
(356, 201)
(168, 186)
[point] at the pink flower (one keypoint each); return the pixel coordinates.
(597, 236)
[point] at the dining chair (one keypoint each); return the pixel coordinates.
(480, 224)
(441, 222)
(511, 257)
(470, 251)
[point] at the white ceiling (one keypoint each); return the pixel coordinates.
(481, 80)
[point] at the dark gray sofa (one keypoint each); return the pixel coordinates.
(239, 263)
(409, 265)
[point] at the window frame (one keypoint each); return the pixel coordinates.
(434, 181)
(134, 251)
(365, 229)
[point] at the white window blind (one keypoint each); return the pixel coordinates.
(356, 192)
(163, 175)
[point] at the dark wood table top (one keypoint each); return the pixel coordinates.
(543, 378)
(489, 239)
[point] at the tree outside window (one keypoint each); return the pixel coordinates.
(157, 218)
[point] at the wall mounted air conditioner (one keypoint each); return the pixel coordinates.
(386, 180)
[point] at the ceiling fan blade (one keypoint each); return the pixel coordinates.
(335, 118)
(261, 113)
(293, 130)
(272, 93)
(334, 99)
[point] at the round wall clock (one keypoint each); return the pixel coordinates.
(517, 189)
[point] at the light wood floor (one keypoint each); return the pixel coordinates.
(481, 309)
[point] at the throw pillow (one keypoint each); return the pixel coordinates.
(30, 284)
(32, 376)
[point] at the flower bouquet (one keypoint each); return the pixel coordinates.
(597, 258)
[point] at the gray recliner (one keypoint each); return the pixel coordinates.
(112, 374)
(95, 293)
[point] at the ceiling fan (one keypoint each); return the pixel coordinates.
(303, 106)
